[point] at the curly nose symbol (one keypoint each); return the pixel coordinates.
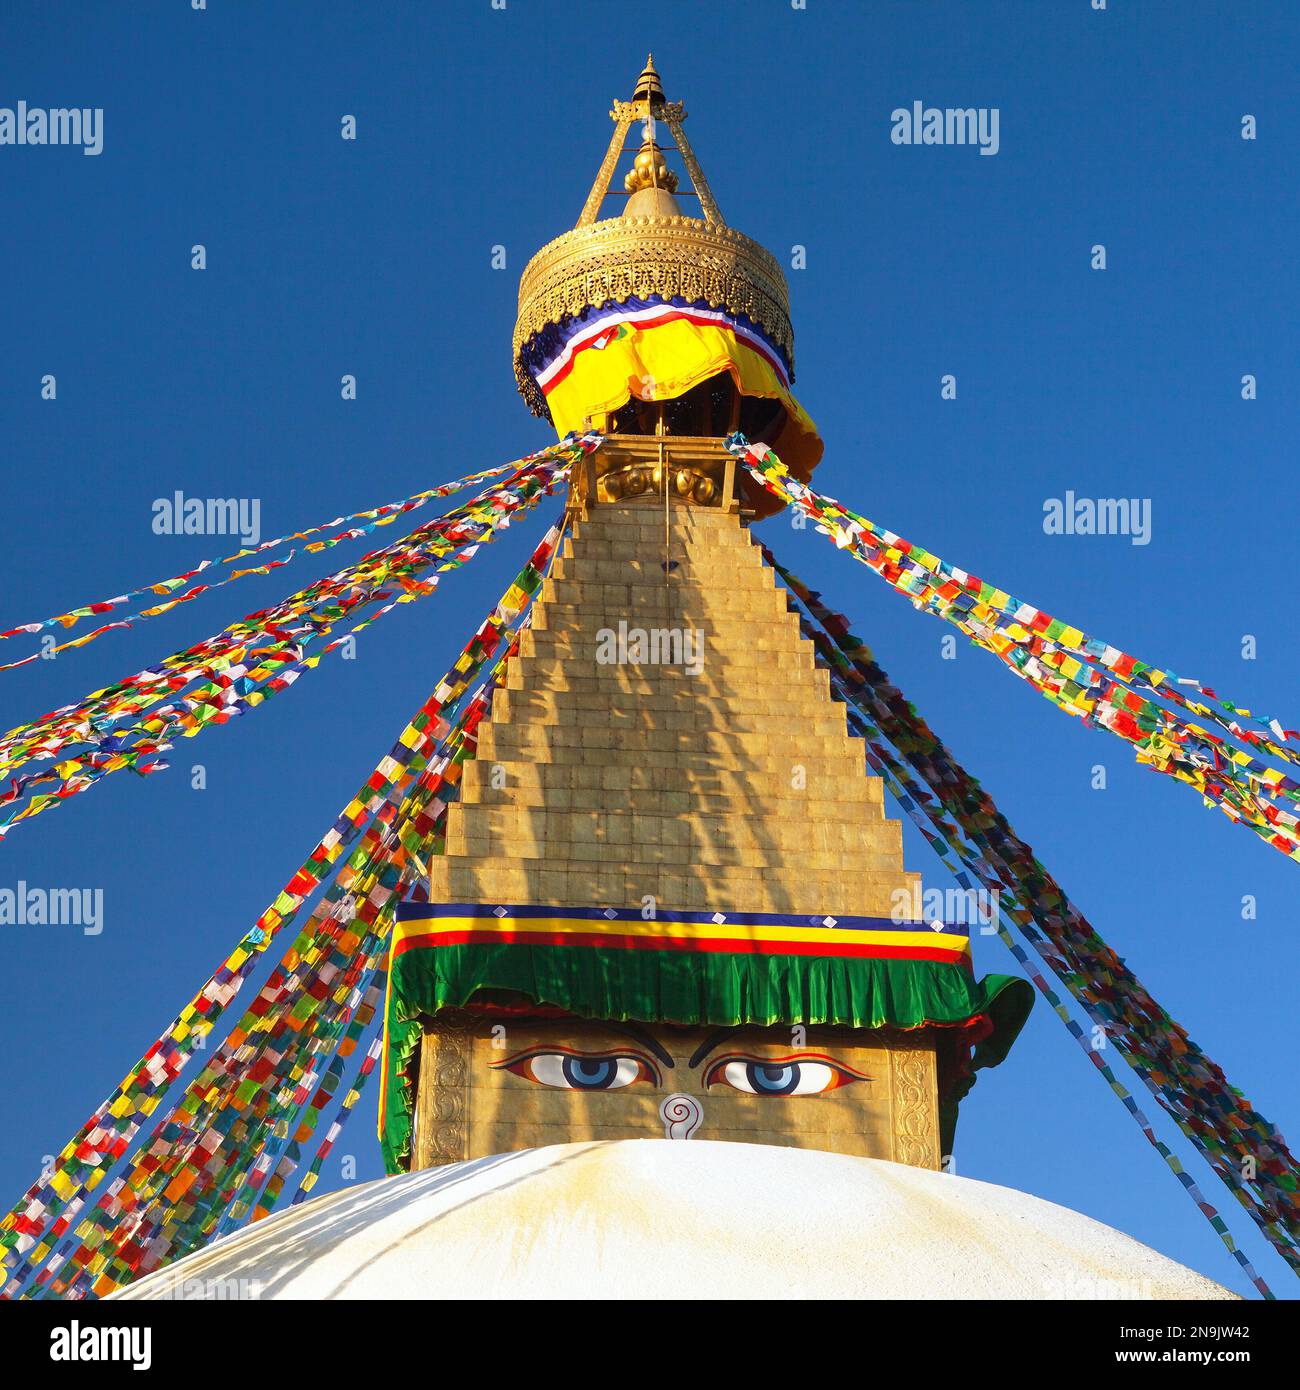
(681, 1115)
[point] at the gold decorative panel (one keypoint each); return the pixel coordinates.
(498, 1084)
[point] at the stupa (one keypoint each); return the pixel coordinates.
(671, 906)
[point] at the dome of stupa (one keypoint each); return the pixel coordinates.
(659, 1219)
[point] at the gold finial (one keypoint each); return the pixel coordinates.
(650, 170)
(648, 87)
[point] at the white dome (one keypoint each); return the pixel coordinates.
(655, 1219)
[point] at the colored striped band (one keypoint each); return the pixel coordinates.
(594, 334)
(423, 925)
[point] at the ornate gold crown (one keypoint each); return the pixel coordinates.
(652, 248)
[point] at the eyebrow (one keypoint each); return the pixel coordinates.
(646, 1041)
(709, 1044)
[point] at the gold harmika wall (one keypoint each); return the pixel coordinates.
(470, 1105)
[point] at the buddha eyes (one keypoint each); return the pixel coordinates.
(581, 1071)
(566, 1069)
(805, 1075)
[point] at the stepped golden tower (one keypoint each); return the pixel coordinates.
(670, 899)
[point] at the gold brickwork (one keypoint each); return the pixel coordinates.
(607, 782)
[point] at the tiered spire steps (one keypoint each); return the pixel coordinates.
(665, 734)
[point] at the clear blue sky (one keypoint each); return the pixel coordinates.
(480, 127)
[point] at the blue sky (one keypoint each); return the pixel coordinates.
(480, 127)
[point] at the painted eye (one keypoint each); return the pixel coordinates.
(577, 1071)
(781, 1076)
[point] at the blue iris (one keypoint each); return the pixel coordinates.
(772, 1080)
(590, 1073)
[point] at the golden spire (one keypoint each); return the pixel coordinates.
(649, 106)
(648, 87)
(650, 183)
(653, 249)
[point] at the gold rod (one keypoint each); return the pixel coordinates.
(663, 482)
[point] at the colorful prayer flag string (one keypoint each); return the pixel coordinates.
(1078, 673)
(254, 659)
(211, 1162)
(974, 840)
(167, 588)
